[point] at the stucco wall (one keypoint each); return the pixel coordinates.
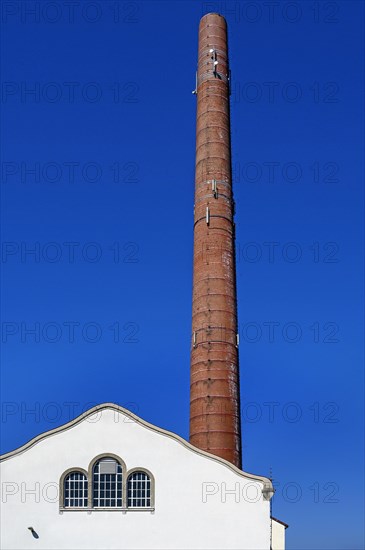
(278, 535)
(193, 505)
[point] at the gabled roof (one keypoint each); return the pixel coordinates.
(69, 425)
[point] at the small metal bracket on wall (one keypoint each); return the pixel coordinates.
(196, 84)
(214, 59)
(214, 188)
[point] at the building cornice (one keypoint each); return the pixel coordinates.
(111, 406)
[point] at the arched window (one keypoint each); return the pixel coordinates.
(107, 483)
(75, 490)
(139, 490)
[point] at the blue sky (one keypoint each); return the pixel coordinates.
(98, 180)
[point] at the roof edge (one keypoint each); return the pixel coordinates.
(279, 521)
(70, 424)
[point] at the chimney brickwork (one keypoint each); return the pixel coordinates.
(214, 391)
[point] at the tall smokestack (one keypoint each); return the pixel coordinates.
(214, 390)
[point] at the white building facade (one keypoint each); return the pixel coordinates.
(110, 480)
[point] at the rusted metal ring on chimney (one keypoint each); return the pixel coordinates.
(207, 112)
(212, 327)
(206, 51)
(213, 216)
(205, 342)
(210, 368)
(204, 77)
(209, 182)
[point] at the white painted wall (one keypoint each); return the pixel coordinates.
(193, 508)
(278, 535)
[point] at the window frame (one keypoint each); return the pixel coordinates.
(91, 481)
(62, 494)
(117, 482)
(152, 488)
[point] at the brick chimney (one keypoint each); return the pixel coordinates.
(214, 384)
